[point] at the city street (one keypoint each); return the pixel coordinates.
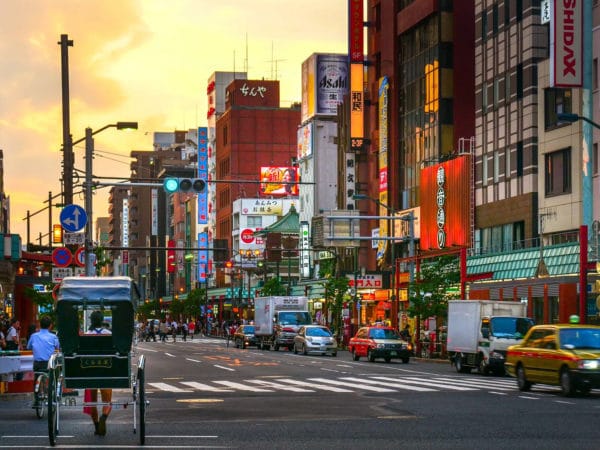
(204, 394)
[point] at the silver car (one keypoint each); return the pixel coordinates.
(315, 339)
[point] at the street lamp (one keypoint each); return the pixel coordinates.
(89, 155)
(572, 117)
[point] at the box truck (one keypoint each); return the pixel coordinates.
(480, 332)
(277, 320)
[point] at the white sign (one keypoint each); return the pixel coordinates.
(74, 238)
(566, 44)
(546, 13)
(374, 234)
(58, 273)
(305, 249)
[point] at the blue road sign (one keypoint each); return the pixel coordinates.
(73, 218)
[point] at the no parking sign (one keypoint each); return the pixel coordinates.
(80, 257)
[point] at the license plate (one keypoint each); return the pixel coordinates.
(394, 353)
(323, 348)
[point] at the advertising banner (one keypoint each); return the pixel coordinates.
(566, 44)
(203, 174)
(279, 181)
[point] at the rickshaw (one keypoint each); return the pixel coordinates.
(96, 361)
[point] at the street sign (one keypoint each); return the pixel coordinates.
(62, 257)
(80, 257)
(73, 218)
(74, 238)
(58, 273)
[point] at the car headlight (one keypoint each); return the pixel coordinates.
(496, 355)
(309, 339)
(380, 345)
(589, 364)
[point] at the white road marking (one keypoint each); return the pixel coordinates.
(279, 386)
(352, 385)
(204, 387)
(168, 387)
(395, 384)
(313, 385)
(225, 368)
(241, 387)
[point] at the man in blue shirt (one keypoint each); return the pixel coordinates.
(44, 344)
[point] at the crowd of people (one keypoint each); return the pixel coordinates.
(168, 330)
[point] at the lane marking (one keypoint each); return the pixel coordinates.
(241, 387)
(224, 368)
(313, 385)
(204, 387)
(168, 387)
(352, 385)
(282, 387)
(395, 384)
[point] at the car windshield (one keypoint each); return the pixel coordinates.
(580, 338)
(381, 333)
(295, 318)
(248, 330)
(317, 332)
(510, 327)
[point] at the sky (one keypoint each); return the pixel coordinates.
(146, 61)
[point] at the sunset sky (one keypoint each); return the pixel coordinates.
(134, 60)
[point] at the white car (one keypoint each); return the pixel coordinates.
(315, 339)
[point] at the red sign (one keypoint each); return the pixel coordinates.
(355, 30)
(80, 257)
(62, 257)
(171, 263)
(247, 236)
(446, 204)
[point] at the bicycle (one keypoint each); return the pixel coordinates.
(40, 394)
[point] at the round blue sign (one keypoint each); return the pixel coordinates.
(73, 218)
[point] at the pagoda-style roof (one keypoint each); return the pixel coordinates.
(288, 224)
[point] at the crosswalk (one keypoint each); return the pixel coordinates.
(373, 384)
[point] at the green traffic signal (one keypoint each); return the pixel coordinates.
(195, 185)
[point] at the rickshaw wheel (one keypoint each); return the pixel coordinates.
(142, 404)
(52, 409)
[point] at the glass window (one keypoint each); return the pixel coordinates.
(496, 166)
(557, 172)
(254, 221)
(484, 170)
(556, 101)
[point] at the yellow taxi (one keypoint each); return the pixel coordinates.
(562, 355)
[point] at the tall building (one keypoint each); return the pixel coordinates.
(253, 132)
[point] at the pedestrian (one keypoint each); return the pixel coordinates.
(192, 329)
(174, 327)
(12, 337)
(91, 395)
(184, 330)
(43, 344)
(163, 330)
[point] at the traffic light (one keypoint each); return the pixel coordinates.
(193, 185)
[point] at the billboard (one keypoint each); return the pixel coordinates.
(446, 204)
(566, 44)
(305, 143)
(279, 181)
(324, 84)
(203, 174)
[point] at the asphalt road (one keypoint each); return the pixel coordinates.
(205, 395)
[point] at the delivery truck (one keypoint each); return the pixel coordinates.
(480, 332)
(277, 320)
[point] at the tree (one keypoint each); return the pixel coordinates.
(273, 286)
(336, 292)
(432, 289)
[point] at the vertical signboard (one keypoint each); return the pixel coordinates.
(383, 164)
(566, 44)
(202, 257)
(324, 84)
(355, 30)
(356, 106)
(304, 250)
(203, 174)
(446, 204)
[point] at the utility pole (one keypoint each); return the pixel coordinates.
(68, 158)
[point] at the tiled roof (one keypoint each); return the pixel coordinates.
(560, 259)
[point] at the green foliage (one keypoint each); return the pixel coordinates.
(273, 286)
(336, 291)
(43, 301)
(191, 305)
(430, 293)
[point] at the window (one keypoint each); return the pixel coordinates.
(484, 170)
(520, 158)
(520, 81)
(595, 74)
(506, 12)
(484, 25)
(557, 172)
(555, 101)
(496, 166)
(495, 19)
(484, 97)
(254, 221)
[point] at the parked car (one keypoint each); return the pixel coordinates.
(379, 342)
(315, 339)
(244, 336)
(562, 355)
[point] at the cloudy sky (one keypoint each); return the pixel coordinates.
(134, 60)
